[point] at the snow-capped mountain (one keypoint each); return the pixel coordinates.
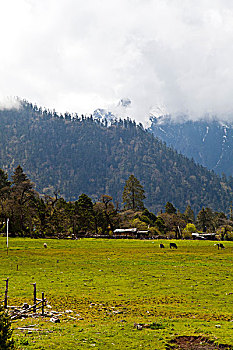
(209, 143)
(113, 113)
(103, 115)
(125, 102)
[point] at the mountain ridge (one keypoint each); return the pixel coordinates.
(208, 142)
(77, 155)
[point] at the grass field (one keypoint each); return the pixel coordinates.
(111, 284)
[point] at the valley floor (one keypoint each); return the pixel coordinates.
(107, 290)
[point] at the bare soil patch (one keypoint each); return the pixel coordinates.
(196, 343)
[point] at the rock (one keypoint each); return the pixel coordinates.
(72, 318)
(55, 320)
(139, 327)
(117, 312)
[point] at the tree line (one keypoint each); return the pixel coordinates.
(71, 154)
(31, 214)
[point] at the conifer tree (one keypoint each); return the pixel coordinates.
(202, 219)
(133, 194)
(189, 214)
(4, 193)
(205, 219)
(4, 182)
(21, 182)
(169, 208)
(84, 213)
(4, 186)
(22, 199)
(6, 340)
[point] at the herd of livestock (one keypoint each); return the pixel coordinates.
(174, 246)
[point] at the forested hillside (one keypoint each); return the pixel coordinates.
(80, 155)
(208, 142)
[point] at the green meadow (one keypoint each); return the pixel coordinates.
(101, 288)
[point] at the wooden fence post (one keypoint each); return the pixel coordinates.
(34, 294)
(43, 304)
(6, 291)
(7, 234)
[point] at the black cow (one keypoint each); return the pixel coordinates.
(173, 245)
(161, 246)
(220, 246)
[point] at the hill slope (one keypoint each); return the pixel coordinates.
(82, 155)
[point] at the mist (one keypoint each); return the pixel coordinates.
(76, 56)
(9, 102)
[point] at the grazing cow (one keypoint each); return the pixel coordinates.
(173, 245)
(220, 245)
(45, 245)
(161, 246)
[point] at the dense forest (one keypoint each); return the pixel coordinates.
(71, 155)
(26, 213)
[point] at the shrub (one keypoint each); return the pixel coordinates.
(187, 235)
(156, 325)
(188, 230)
(230, 236)
(154, 231)
(225, 233)
(6, 340)
(140, 225)
(171, 235)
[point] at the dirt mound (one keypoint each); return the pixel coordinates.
(195, 343)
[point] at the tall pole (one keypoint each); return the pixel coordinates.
(7, 233)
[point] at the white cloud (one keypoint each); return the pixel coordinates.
(76, 56)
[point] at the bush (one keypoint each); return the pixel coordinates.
(230, 236)
(154, 231)
(156, 325)
(225, 233)
(171, 235)
(188, 230)
(140, 225)
(6, 341)
(187, 235)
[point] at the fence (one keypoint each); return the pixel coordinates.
(20, 311)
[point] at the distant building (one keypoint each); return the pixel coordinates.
(129, 233)
(202, 235)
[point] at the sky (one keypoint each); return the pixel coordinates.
(166, 56)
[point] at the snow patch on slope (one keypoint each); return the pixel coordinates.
(207, 131)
